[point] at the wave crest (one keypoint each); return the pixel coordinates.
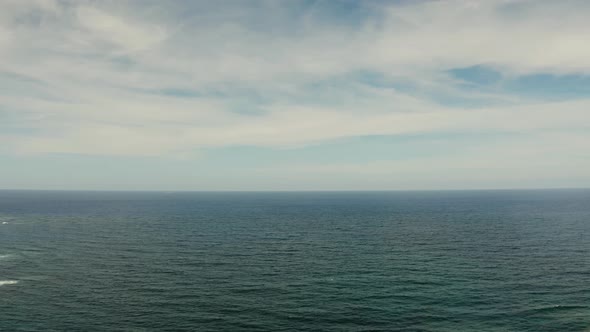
(8, 282)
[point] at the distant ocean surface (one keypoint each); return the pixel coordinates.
(306, 261)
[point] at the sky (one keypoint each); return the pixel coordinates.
(294, 95)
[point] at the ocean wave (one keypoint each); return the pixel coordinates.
(551, 308)
(8, 282)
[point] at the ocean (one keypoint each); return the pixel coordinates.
(295, 261)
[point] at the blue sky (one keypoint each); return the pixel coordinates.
(294, 95)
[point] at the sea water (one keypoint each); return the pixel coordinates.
(295, 261)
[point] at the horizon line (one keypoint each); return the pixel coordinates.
(289, 190)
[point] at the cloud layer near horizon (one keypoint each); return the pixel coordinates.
(176, 78)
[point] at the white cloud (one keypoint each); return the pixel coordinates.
(126, 35)
(100, 65)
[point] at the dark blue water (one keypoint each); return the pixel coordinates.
(380, 261)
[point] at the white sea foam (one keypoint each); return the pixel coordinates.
(8, 282)
(5, 219)
(5, 256)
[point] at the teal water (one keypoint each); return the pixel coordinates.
(357, 261)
